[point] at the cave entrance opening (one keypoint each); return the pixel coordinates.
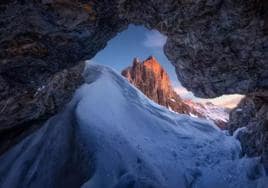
(140, 43)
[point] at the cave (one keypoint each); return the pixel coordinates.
(217, 47)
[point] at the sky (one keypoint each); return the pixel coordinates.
(138, 41)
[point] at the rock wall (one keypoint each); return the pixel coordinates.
(217, 47)
(252, 114)
(40, 43)
(211, 43)
(23, 113)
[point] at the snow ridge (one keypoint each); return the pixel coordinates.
(111, 135)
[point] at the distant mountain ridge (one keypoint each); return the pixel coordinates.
(151, 78)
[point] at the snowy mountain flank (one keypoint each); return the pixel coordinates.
(112, 135)
(152, 79)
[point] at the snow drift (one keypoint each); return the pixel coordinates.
(111, 135)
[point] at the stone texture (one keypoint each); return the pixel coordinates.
(211, 43)
(252, 113)
(217, 47)
(40, 43)
(23, 113)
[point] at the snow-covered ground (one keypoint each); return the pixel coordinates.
(111, 135)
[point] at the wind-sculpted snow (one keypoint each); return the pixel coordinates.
(111, 135)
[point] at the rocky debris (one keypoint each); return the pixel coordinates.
(252, 113)
(151, 78)
(217, 47)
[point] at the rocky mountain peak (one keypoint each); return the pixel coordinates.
(152, 63)
(136, 61)
(151, 78)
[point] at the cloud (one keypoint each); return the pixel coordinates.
(184, 93)
(154, 39)
(227, 101)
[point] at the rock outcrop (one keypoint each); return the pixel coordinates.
(41, 45)
(217, 47)
(249, 122)
(151, 78)
(22, 115)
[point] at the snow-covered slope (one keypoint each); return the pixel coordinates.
(111, 135)
(217, 114)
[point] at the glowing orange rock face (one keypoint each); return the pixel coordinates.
(150, 77)
(159, 73)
